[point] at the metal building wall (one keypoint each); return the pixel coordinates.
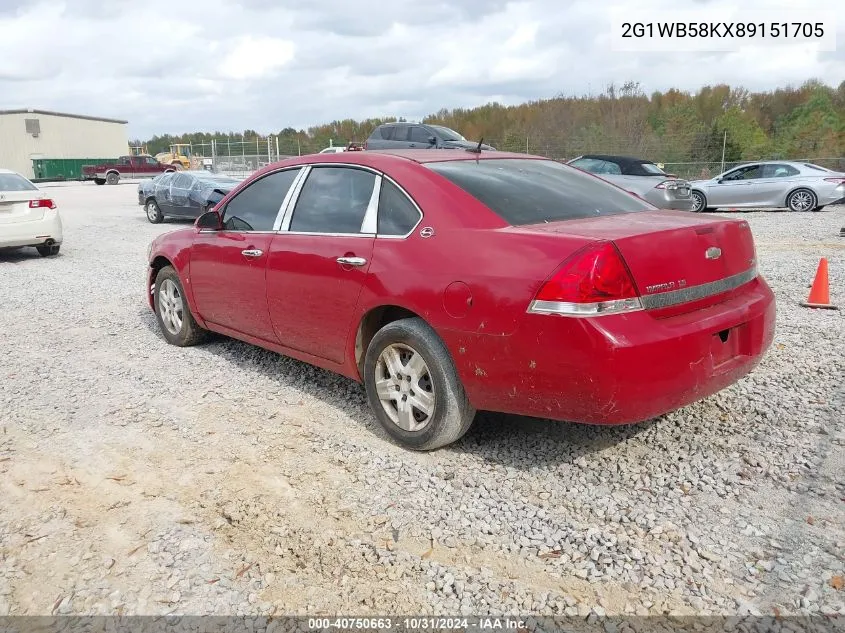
(58, 136)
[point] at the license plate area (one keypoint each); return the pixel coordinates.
(728, 344)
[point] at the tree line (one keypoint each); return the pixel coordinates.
(673, 127)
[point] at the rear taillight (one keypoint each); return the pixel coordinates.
(838, 181)
(592, 282)
(44, 203)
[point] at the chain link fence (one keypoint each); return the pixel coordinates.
(240, 157)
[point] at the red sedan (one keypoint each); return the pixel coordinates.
(449, 281)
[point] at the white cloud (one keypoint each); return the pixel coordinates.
(268, 64)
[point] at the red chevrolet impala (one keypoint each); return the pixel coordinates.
(449, 281)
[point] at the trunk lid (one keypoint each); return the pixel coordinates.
(14, 207)
(693, 257)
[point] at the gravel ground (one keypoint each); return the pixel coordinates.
(139, 478)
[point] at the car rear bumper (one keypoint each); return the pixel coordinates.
(617, 369)
(32, 233)
(663, 200)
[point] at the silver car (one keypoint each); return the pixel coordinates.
(778, 184)
(641, 177)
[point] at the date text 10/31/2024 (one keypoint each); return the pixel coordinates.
(415, 624)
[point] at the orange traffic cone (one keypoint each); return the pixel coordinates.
(820, 290)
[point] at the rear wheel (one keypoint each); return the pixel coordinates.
(801, 200)
(113, 178)
(154, 214)
(48, 250)
(172, 312)
(413, 387)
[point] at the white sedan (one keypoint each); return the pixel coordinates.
(27, 216)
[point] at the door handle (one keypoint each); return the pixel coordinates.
(351, 261)
(252, 252)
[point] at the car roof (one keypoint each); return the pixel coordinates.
(629, 160)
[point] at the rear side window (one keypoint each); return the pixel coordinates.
(397, 215)
(530, 191)
(333, 200)
(13, 182)
(399, 132)
(385, 133)
(255, 208)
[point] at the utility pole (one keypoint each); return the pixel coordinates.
(277, 148)
(724, 143)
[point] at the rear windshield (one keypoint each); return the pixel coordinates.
(651, 168)
(13, 182)
(530, 191)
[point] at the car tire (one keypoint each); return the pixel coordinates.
(801, 200)
(173, 314)
(409, 357)
(153, 211)
(99, 181)
(48, 250)
(112, 178)
(699, 202)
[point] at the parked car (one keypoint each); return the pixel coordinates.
(184, 194)
(416, 136)
(451, 281)
(333, 150)
(28, 217)
(640, 177)
(792, 185)
(142, 166)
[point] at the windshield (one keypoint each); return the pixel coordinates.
(530, 191)
(446, 134)
(13, 182)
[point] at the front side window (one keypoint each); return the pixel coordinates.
(397, 215)
(745, 173)
(255, 208)
(530, 191)
(419, 134)
(333, 200)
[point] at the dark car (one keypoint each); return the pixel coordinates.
(183, 194)
(418, 136)
(641, 177)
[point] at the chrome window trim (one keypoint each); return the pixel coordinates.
(277, 223)
(273, 229)
(288, 215)
(413, 202)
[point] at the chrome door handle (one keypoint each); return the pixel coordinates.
(351, 261)
(252, 252)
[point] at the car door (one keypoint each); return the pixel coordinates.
(418, 137)
(776, 181)
(180, 187)
(228, 266)
(319, 260)
(736, 189)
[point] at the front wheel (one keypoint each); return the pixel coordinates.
(801, 200)
(99, 181)
(174, 317)
(413, 387)
(699, 202)
(154, 214)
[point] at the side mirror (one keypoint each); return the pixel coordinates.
(209, 220)
(432, 140)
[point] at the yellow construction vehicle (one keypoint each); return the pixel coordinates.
(180, 156)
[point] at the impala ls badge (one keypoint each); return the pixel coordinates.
(427, 232)
(714, 252)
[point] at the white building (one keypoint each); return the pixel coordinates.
(31, 134)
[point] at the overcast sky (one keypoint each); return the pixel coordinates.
(185, 65)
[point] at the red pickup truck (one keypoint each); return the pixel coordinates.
(124, 167)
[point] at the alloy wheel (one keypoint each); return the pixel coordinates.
(404, 386)
(171, 306)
